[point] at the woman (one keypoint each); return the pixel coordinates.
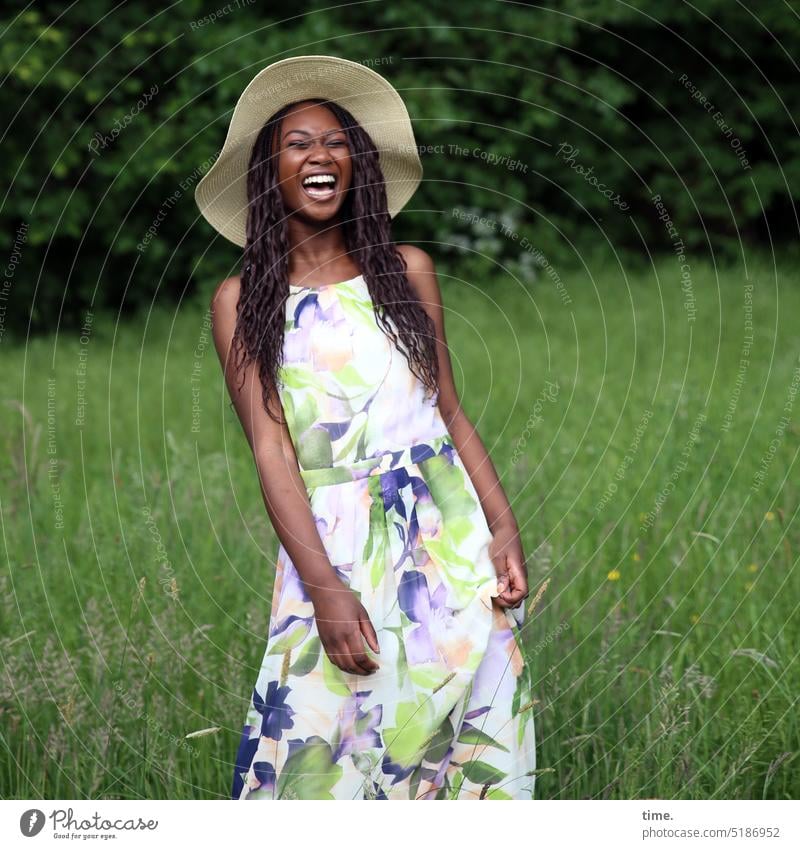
(393, 666)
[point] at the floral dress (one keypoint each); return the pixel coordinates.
(449, 713)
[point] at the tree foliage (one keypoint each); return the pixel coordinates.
(545, 129)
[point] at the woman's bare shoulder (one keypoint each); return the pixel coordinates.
(416, 258)
(421, 273)
(226, 295)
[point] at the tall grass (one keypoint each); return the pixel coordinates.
(663, 651)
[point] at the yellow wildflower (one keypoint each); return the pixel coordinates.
(614, 575)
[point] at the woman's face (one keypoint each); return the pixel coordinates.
(313, 145)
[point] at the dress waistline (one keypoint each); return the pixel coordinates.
(382, 462)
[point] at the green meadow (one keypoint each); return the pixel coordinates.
(644, 427)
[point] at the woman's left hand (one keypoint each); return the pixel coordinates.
(505, 550)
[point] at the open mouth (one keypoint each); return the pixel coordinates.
(320, 186)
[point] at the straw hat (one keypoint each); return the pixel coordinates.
(373, 102)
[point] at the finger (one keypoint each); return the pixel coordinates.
(341, 658)
(501, 569)
(358, 650)
(520, 601)
(517, 571)
(369, 633)
(515, 595)
(364, 664)
(519, 579)
(515, 564)
(509, 603)
(500, 562)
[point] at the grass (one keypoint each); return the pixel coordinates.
(137, 584)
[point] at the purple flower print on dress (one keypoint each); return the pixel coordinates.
(292, 586)
(392, 484)
(422, 451)
(496, 678)
(377, 791)
(276, 714)
(310, 317)
(389, 767)
(247, 748)
(265, 773)
(291, 624)
(409, 423)
(395, 480)
(436, 776)
(432, 615)
(336, 430)
(296, 342)
(357, 729)
(473, 714)
(438, 779)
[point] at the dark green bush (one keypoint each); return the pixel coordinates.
(587, 109)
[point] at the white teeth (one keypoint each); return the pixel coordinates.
(320, 179)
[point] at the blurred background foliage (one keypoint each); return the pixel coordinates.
(513, 81)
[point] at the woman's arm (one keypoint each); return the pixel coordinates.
(286, 498)
(506, 550)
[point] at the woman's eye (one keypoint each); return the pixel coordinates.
(338, 143)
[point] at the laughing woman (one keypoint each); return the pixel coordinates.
(393, 667)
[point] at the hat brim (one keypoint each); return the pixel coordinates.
(221, 194)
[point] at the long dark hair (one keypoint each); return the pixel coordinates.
(366, 223)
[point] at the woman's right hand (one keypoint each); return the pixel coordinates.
(343, 623)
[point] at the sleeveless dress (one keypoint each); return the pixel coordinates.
(449, 713)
